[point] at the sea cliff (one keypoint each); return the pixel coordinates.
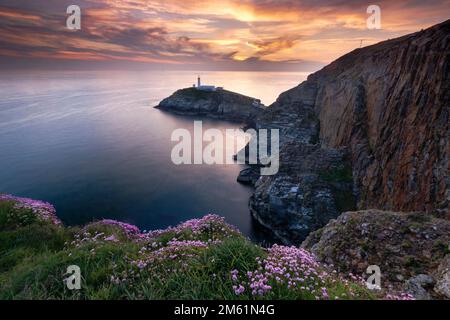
(378, 118)
(368, 131)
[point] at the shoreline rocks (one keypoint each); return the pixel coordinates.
(249, 176)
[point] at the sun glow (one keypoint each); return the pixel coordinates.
(201, 32)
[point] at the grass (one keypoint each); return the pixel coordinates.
(192, 261)
(197, 94)
(344, 197)
(343, 174)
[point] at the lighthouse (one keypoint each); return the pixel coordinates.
(206, 87)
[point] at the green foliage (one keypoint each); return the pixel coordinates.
(419, 218)
(344, 198)
(196, 94)
(34, 257)
(414, 264)
(206, 276)
(442, 248)
(107, 230)
(343, 174)
(11, 217)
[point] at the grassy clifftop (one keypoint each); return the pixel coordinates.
(199, 259)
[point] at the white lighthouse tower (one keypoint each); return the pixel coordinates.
(206, 87)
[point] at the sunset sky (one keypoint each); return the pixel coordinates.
(196, 34)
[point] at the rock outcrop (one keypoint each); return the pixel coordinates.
(442, 276)
(386, 109)
(249, 176)
(409, 248)
(221, 104)
(312, 186)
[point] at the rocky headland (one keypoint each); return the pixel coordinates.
(368, 131)
(220, 104)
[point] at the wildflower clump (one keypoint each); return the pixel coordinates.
(293, 273)
(26, 211)
(401, 296)
(126, 227)
(203, 258)
(112, 230)
(209, 228)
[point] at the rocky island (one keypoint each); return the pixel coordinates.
(368, 131)
(220, 104)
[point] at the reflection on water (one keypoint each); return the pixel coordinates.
(91, 143)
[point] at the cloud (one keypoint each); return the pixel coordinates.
(230, 33)
(271, 46)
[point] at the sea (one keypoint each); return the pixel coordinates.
(92, 144)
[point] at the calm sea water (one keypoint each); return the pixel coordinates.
(92, 144)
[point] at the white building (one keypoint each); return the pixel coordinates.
(206, 87)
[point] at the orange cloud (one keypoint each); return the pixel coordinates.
(200, 31)
(18, 15)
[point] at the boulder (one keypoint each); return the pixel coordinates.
(443, 278)
(406, 246)
(249, 176)
(419, 286)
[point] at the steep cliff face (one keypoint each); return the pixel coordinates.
(220, 104)
(314, 182)
(389, 104)
(387, 108)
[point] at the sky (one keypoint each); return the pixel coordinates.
(251, 35)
